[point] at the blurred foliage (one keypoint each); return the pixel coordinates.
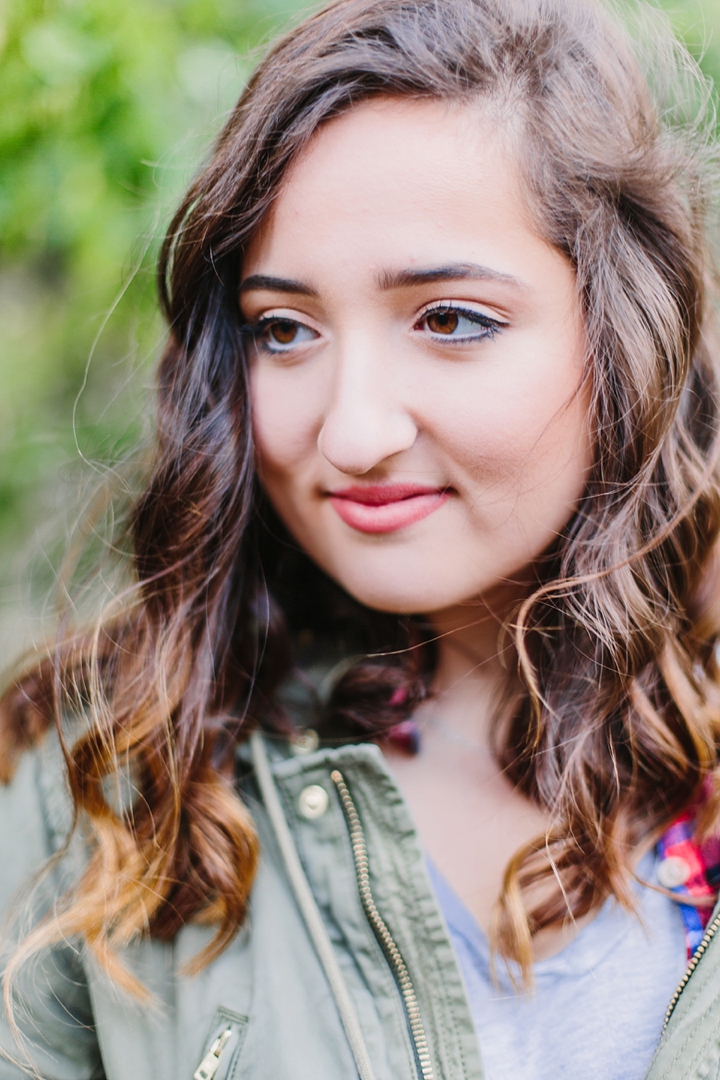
(106, 109)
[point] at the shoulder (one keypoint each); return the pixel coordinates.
(35, 814)
(49, 1029)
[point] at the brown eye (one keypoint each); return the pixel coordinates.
(283, 332)
(443, 322)
(279, 335)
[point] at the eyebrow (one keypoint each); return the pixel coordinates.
(404, 279)
(401, 279)
(276, 284)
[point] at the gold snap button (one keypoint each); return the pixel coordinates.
(313, 801)
(673, 871)
(306, 742)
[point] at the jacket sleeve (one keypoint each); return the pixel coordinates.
(50, 1000)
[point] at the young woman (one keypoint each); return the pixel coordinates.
(397, 756)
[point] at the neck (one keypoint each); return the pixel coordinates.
(474, 679)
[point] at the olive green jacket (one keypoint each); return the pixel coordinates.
(273, 1006)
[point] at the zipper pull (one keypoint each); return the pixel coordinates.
(210, 1063)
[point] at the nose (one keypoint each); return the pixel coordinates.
(367, 420)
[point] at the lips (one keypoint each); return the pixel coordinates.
(384, 508)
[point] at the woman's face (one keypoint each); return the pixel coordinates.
(419, 408)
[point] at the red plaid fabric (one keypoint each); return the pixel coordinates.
(690, 868)
(687, 867)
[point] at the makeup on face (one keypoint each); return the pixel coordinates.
(417, 358)
(385, 508)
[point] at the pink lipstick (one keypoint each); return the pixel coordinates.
(384, 508)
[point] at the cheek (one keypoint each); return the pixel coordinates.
(522, 446)
(512, 433)
(284, 419)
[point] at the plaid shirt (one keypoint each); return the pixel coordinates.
(687, 866)
(690, 868)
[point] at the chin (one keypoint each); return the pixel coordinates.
(404, 597)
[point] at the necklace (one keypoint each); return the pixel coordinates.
(407, 736)
(452, 735)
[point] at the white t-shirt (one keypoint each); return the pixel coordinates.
(598, 1006)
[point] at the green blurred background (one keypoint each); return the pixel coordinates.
(107, 107)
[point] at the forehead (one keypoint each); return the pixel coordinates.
(402, 174)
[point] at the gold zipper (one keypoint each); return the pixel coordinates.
(392, 953)
(211, 1062)
(697, 956)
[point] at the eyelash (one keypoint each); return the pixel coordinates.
(255, 331)
(487, 327)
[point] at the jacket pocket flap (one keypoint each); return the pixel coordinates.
(222, 1046)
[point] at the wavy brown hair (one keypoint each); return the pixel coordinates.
(617, 725)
